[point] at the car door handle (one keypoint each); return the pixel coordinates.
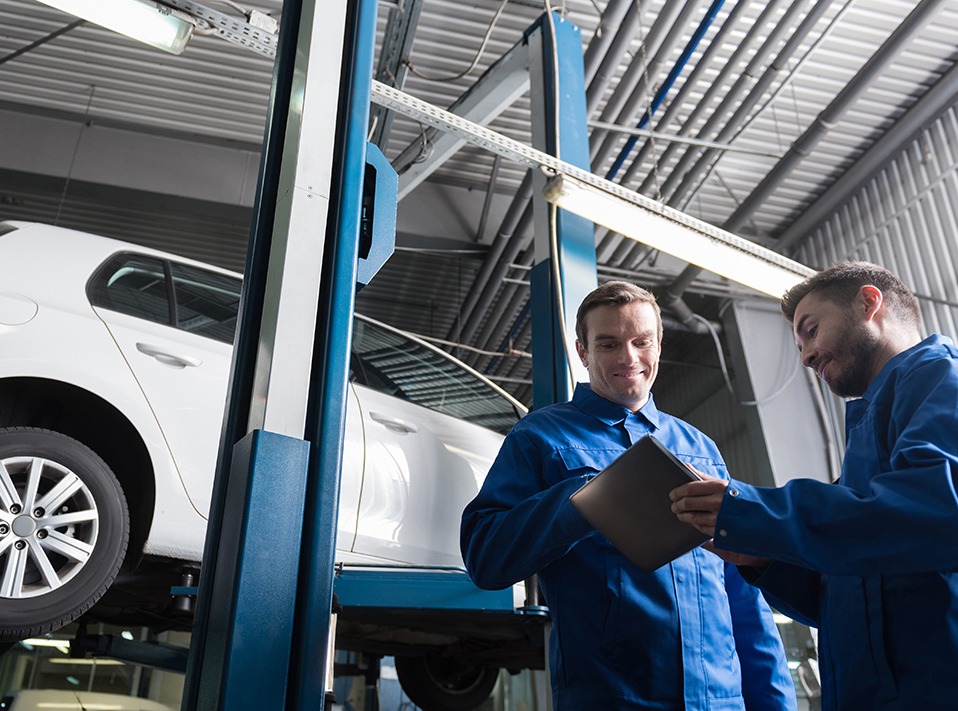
(166, 358)
(392, 423)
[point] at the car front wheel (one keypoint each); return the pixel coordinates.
(64, 529)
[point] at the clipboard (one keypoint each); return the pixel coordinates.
(628, 503)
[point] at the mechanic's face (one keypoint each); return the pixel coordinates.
(839, 347)
(622, 354)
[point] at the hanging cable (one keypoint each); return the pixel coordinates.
(479, 52)
(725, 374)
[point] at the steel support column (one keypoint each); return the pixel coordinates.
(263, 616)
(565, 267)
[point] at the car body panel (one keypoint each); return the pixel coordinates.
(402, 488)
(422, 469)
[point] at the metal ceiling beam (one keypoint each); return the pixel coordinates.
(910, 28)
(394, 52)
(496, 90)
(941, 97)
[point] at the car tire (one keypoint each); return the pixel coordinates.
(435, 682)
(55, 564)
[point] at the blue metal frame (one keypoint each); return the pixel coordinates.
(209, 646)
(418, 589)
(327, 405)
(264, 601)
(264, 504)
(571, 256)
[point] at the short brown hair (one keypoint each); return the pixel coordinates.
(841, 282)
(614, 293)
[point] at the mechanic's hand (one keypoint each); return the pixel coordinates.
(698, 503)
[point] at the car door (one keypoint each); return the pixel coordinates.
(425, 455)
(174, 324)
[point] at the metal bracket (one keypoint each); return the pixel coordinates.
(251, 32)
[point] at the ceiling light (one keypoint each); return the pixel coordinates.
(678, 234)
(149, 22)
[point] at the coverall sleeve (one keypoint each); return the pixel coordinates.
(901, 521)
(766, 681)
(791, 590)
(517, 524)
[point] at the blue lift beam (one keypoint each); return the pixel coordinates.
(565, 268)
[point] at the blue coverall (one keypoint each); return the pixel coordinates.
(872, 560)
(692, 635)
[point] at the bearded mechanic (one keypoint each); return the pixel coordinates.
(871, 561)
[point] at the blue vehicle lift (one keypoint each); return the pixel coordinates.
(323, 224)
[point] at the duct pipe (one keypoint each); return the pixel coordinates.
(719, 116)
(897, 41)
(632, 90)
(513, 245)
(717, 87)
(606, 239)
(610, 61)
(942, 96)
(505, 236)
(666, 86)
(611, 22)
(701, 66)
(741, 111)
(910, 27)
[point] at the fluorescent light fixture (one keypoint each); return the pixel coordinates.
(676, 233)
(62, 644)
(156, 25)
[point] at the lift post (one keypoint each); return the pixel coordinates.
(262, 627)
(565, 266)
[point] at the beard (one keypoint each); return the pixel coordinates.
(858, 355)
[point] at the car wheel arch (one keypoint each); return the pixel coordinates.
(90, 419)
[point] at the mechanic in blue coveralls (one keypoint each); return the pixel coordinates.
(872, 561)
(692, 635)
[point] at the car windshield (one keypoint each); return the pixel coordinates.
(391, 363)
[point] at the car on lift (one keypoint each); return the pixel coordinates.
(114, 368)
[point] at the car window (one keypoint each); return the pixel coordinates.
(390, 363)
(189, 298)
(134, 285)
(207, 303)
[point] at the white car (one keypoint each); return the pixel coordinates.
(114, 364)
(64, 700)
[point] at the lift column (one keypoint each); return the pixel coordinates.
(263, 616)
(565, 266)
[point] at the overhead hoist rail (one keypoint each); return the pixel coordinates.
(609, 204)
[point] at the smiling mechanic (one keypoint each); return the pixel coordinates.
(693, 635)
(872, 560)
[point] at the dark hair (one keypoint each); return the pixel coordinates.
(841, 282)
(614, 293)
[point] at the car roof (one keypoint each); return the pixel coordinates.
(88, 247)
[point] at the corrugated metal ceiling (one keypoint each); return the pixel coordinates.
(761, 75)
